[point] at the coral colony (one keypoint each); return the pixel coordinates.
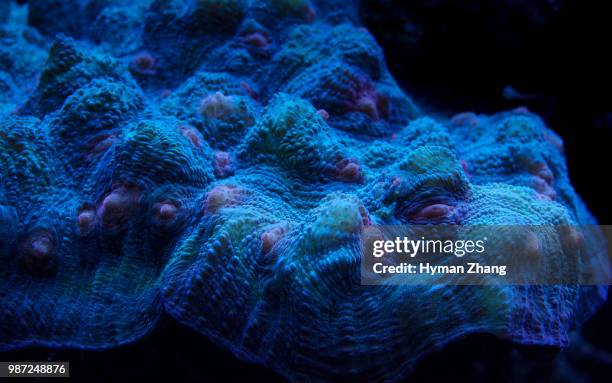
(216, 160)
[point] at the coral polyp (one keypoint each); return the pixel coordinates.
(234, 202)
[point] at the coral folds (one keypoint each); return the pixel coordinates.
(216, 160)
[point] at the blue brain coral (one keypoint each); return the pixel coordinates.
(215, 160)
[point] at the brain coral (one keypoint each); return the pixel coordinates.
(217, 159)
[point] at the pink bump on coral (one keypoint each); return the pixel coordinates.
(464, 166)
(532, 247)
(86, 220)
(543, 188)
(36, 253)
(143, 63)
(372, 103)
(166, 211)
(323, 113)
(571, 238)
(223, 164)
(465, 119)
(192, 134)
(396, 181)
(100, 144)
(365, 216)
(367, 104)
(270, 237)
(434, 211)
(348, 170)
(542, 170)
(521, 110)
(256, 39)
(217, 106)
(221, 196)
(118, 206)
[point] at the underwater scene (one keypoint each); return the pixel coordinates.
(305, 190)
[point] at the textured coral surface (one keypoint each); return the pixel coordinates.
(217, 159)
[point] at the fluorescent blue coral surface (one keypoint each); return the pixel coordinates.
(216, 159)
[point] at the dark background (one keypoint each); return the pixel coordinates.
(457, 55)
(451, 56)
